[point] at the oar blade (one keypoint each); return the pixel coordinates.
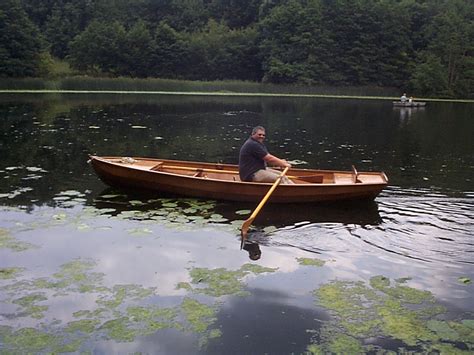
(244, 230)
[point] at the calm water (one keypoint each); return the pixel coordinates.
(84, 267)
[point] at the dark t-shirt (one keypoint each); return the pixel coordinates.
(251, 159)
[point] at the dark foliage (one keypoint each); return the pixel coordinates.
(420, 45)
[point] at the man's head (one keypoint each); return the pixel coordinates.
(258, 133)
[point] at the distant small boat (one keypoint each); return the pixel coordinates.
(221, 181)
(409, 104)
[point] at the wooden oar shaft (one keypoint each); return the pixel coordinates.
(248, 222)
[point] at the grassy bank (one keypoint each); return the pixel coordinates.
(84, 84)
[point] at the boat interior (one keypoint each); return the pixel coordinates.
(229, 173)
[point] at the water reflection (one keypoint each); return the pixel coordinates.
(406, 113)
(54, 210)
(253, 249)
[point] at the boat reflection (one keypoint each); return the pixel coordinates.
(283, 215)
(406, 112)
(182, 212)
(279, 215)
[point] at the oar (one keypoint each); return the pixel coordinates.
(248, 222)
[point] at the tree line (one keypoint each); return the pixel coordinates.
(426, 46)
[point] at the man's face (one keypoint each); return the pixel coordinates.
(259, 135)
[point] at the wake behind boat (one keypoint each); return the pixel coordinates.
(222, 182)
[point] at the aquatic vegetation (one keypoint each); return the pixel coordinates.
(219, 281)
(8, 242)
(96, 314)
(147, 314)
(76, 276)
(29, 340)
(69, 198)
(311, 262)
(85, 326)
(139, 231)
(10, 272)
(383, 309)
(184, 285)
(29, 306)
(222, 282)
(200, 317)
(183, 214)
(109, 321)
(464, 280)
(16, 192)
(256, 269)
(315, 349)
(243, 212)
(269, 229)
(407, 294)
(119, 329)
(120, 293)
(344, 344)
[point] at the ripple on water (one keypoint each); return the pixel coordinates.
(429, 229)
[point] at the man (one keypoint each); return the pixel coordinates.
(403, 98)
(254, 157)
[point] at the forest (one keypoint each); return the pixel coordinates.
(425, 46)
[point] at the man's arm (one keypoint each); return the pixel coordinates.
(274, 161)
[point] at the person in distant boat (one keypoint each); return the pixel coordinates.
(410, 100)
(404, 98)
(254, 157)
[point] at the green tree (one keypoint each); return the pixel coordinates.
(62, 25)
(292, 43)
(21, 44)
(430, 77)
(187, 15)
(219, 52)
(138, 51)
(170, 56)
(99, 48)
(449, 53)
(235, 13)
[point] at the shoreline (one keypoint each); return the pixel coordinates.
(221, 93)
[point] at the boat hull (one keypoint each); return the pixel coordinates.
(409, 104)
(129, 176)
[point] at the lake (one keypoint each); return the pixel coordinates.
(88, 268)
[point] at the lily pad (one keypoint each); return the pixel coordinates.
(464, 280)
(243, 212)
(310, 262)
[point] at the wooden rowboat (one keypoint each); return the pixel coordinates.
(221, 181)
(409, 104)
